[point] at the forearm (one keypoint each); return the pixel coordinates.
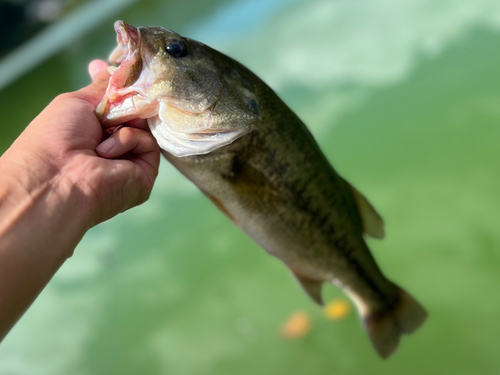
(42, 219)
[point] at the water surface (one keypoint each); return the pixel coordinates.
(403, 98)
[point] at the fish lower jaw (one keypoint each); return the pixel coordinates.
(119, 107)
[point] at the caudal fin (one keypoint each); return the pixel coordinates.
(384, 327)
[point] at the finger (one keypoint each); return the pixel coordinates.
(94, 92)
(97, 66)
(138, 123)
(131, 140)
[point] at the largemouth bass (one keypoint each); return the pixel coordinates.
(230, 134)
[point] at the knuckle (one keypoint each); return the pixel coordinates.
(140, 137)
(75, 97)
(145, 196)
(101, 78)
(63, 97)
(147, 185)
(125, 135)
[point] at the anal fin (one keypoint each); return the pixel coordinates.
(311, 287)
(373, 225)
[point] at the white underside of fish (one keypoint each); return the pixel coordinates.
(188, 144)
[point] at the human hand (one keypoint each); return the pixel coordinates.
(64, 147)
(58, 179)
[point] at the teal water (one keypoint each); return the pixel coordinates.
(403, 99)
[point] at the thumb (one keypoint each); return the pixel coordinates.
(97, 66)
(94, 92)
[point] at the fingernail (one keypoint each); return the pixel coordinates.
(106, 146)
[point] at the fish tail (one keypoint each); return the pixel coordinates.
(385, 325)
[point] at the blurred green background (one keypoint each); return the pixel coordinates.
(404, 99)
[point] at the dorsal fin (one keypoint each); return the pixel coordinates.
(373, 225)
(311, 287)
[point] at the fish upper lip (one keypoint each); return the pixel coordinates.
(126, 54)
(128, 39)
(121, 32)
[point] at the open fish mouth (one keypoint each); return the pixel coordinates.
(128, 39)
(178, 105)
(126, 54)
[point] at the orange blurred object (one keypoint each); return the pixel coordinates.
(297, 326)
(337, 309)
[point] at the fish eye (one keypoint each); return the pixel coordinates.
(176, 48)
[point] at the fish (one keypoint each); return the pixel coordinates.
(250, 154)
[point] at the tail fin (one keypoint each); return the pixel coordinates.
(384, 327)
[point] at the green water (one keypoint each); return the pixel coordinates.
(404, 99)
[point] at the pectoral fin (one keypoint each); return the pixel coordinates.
(373, 225)
(310, 286)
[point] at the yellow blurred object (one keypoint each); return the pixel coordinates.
(337, 309)
(297, 326)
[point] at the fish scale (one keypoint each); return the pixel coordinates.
(259, 164)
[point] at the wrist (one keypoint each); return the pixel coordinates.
(40, 225)
(36, 201)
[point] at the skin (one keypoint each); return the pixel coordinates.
(272, 180)
(60, 178)
(278, 187)
(196, 97)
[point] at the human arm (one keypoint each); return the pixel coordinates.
(56, 183)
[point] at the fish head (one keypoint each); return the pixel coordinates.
(194, 98)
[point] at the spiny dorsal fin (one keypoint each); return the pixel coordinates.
(310, 286)
(373, 225)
